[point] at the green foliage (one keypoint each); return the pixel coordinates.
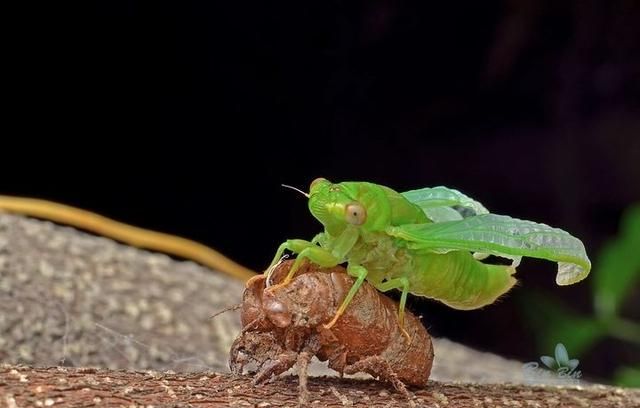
(617, 267)
(628, 377)
(616, 271)
(555, 323)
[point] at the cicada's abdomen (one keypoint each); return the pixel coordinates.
(459, 280)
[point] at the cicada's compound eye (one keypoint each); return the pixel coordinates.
(277, 312)
(355, 214)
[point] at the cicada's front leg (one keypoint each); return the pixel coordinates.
(305, 250)
(322, 257)
(318, 239)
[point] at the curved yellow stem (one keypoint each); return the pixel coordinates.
(139, 237)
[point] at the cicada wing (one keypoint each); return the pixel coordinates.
(441, 214)
(502, 236)
(444, 204)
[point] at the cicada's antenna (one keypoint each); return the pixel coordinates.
(296, 189)
(226, 309)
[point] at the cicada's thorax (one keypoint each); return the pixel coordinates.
(380, 255)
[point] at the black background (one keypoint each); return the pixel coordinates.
(187, 117)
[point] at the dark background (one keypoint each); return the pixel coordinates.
(189, 115)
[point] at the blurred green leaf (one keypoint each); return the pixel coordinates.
(628, 377)
(617, 267)
(622, 329)
(554, 323)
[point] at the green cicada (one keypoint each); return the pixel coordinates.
(429, 242)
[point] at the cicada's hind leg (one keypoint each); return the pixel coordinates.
(313, 253)
(360, 272)
(398, 283)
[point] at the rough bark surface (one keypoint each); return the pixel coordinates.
(73, 387)
(74, 299)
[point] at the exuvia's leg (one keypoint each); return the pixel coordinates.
(316, 255)
(338, 359)
(303, 365)
(279, 365)
(378, 367)
(361, 273)
(396, 283)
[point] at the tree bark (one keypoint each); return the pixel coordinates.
(82, 387)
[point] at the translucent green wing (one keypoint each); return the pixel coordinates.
(444, 204)
(502, 236)
(441, 214)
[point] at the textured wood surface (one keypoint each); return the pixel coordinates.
(70, 387)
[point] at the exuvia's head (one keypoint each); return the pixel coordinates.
(357, 204)
(305, 302)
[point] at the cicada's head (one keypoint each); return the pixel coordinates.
(360, 204)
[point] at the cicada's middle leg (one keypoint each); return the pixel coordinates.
(360, 272)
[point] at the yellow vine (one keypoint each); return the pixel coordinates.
(135, 236)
